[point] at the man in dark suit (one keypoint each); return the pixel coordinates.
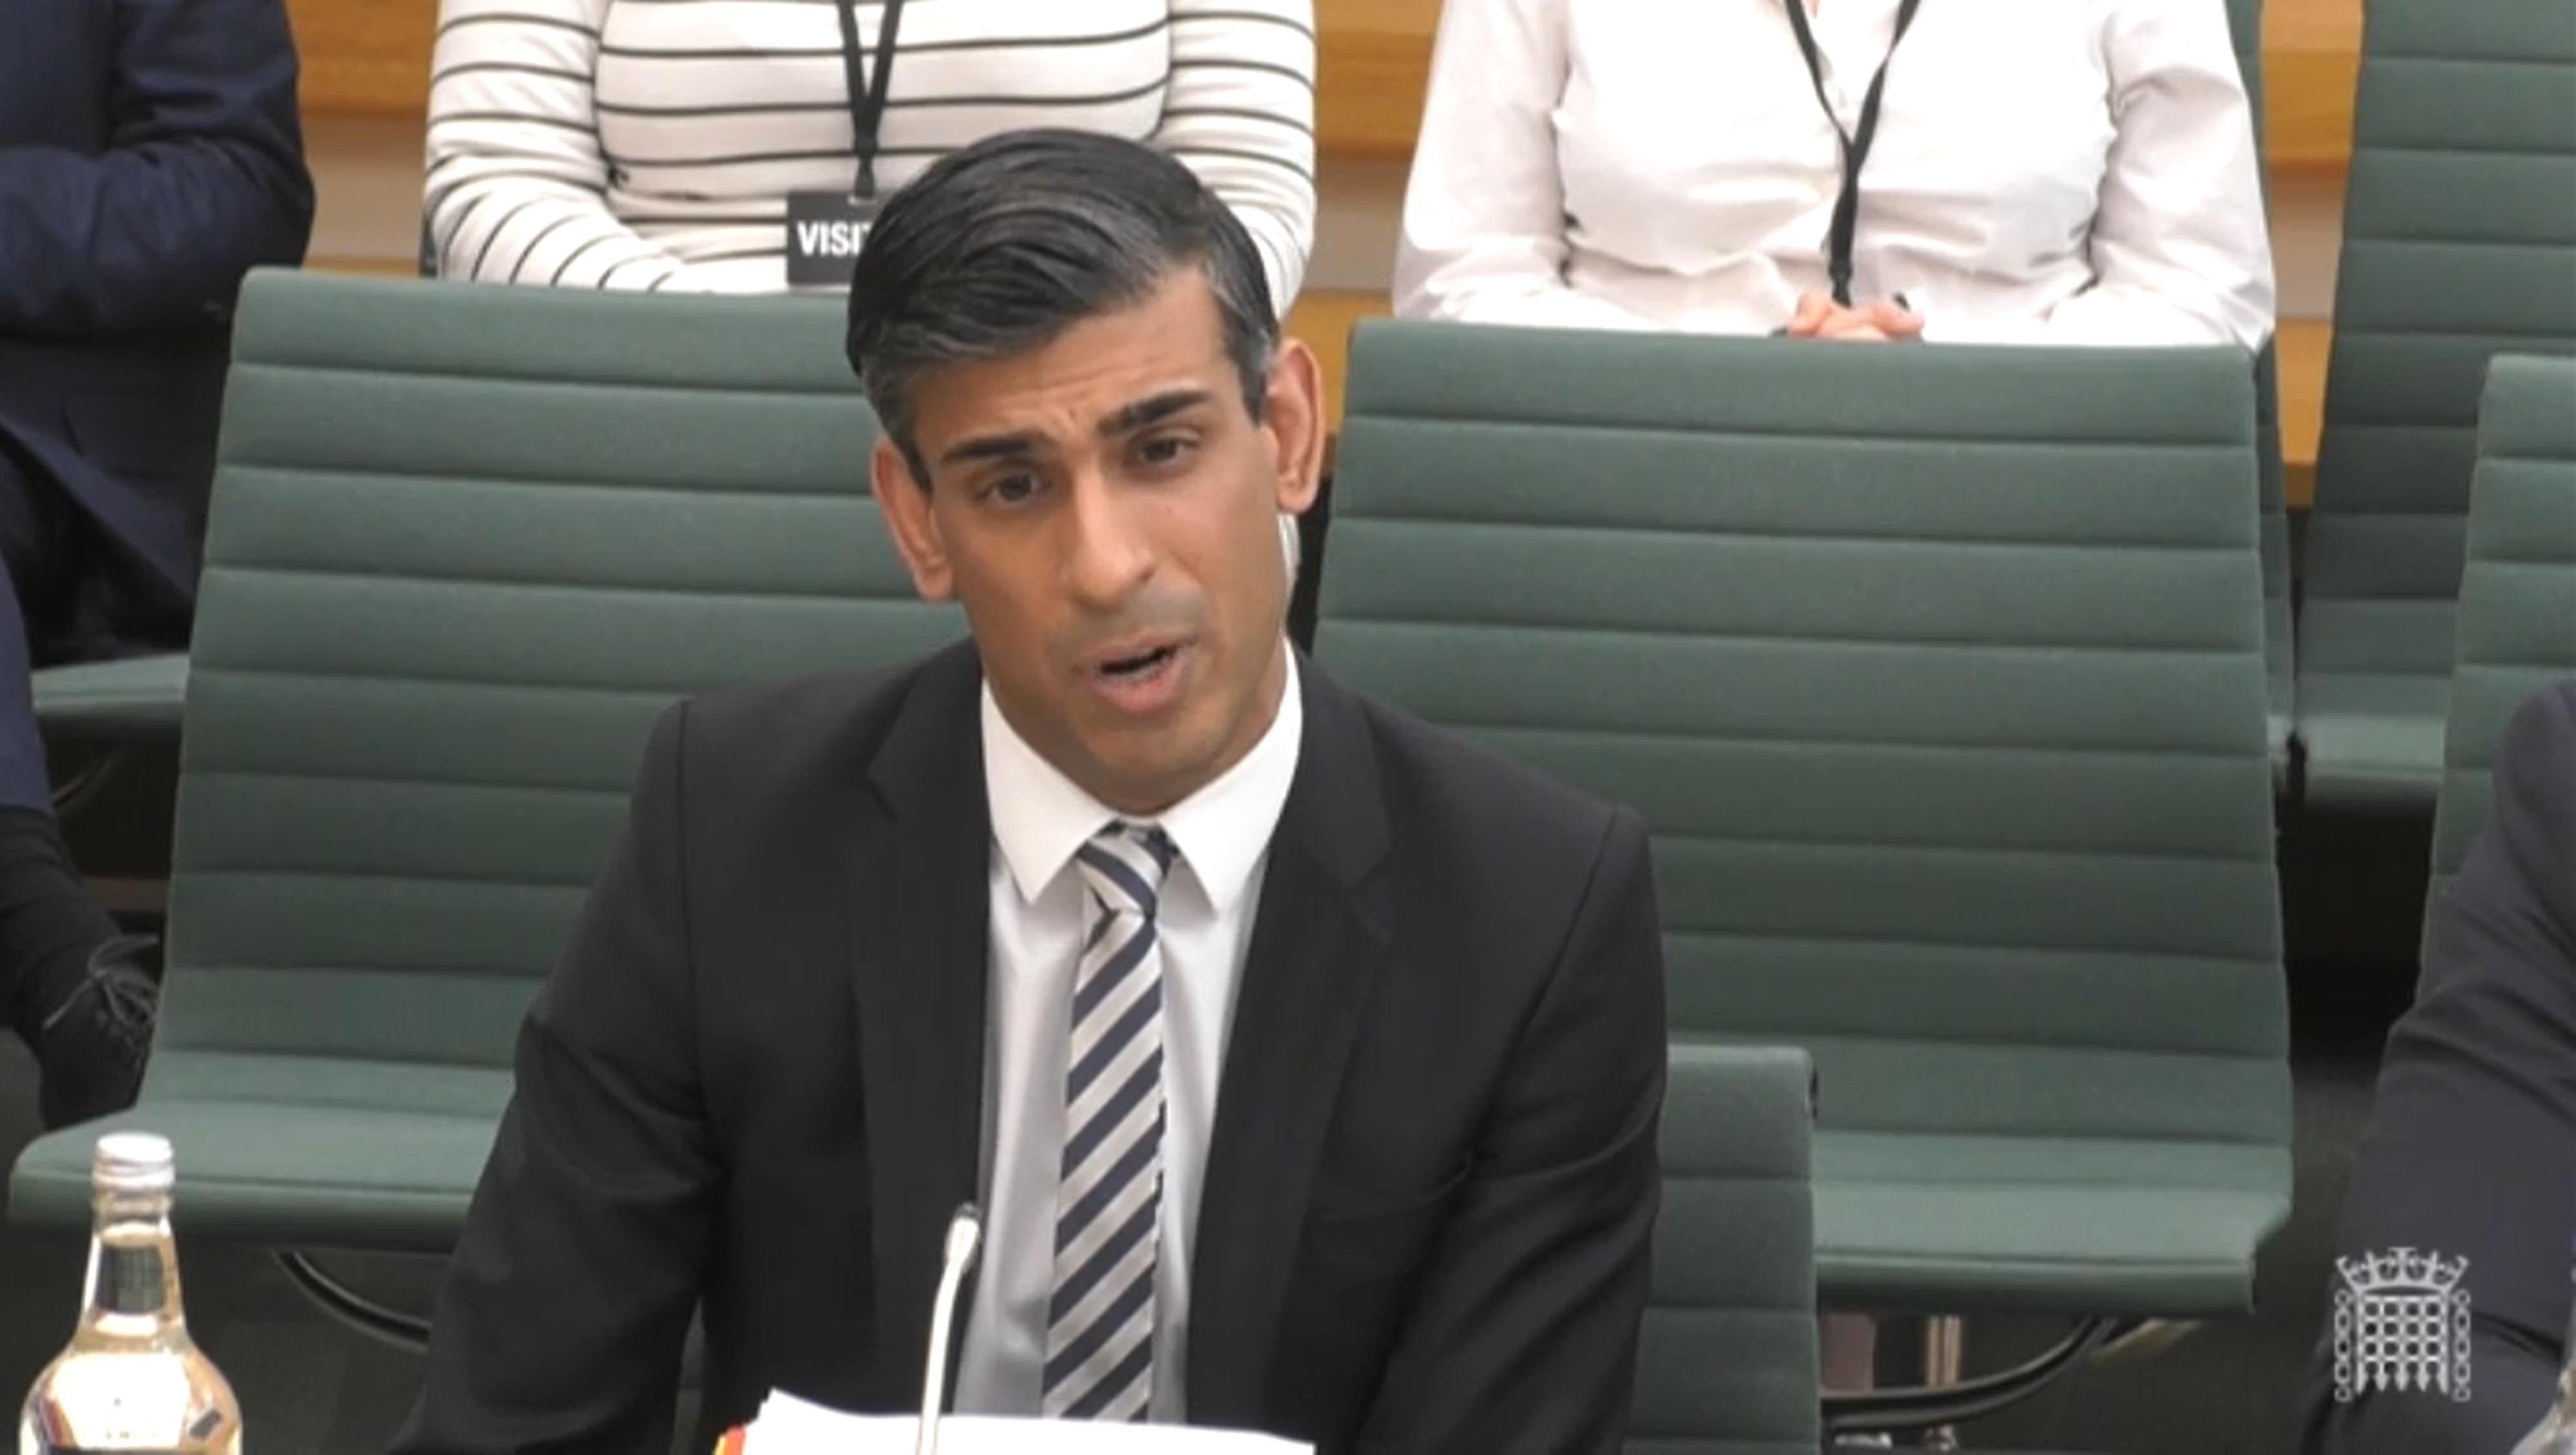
(149, 157)
(1307, 1063)
(2471, 1150)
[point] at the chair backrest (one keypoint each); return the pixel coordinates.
(2245, 28)
(1727, 1364)
(467, 542)
(2245, 24)
(1937, 675)
(2459, 243)
(2517, 625)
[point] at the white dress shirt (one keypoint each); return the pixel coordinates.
(1039, 916)
(2046, 171)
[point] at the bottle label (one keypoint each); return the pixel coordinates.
(122, 1405)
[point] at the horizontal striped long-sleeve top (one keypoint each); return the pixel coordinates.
(651, 144)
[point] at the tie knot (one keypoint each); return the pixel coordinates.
(1125, 863)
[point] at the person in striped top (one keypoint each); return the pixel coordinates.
(654, 144)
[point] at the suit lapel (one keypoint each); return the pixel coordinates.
(1318, 937)
(919, 944)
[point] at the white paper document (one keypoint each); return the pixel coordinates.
(791, 1426)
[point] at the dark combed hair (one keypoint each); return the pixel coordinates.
(998, 248)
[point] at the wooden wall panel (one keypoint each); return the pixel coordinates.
(364, 57)
(2311, 59)
(1373, 63)
(1324, 319)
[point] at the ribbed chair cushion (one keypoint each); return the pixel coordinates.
(1938, 675)
(1727, 1364)
(2517, 622)
(128, 697)
(466, 543)
(2459, 243)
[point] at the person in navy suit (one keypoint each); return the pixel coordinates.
(2471, 1149)
(150, 155)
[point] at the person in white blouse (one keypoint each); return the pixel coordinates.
(656, 144)
(2041, 171)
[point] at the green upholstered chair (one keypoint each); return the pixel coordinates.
(2245, 23)
(131, 697)
(1938, 675)
(2517, 618)
(104, 722)
(466, 543)
(2459, 243)
(1727, 1361)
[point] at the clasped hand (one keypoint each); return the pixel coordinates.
(1878, 321)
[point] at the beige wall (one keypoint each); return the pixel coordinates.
(366, 181)
(2307, 237)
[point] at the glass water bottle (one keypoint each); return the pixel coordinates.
(132, 1380)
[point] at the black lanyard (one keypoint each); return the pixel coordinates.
(1856, 144)
(868, 93)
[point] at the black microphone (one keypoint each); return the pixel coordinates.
(965, 1235)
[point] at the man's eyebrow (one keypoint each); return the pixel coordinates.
(1019, 446)
(1023, 444)
(1145, 412)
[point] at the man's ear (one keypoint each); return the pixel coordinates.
(904, 501)
(1293, 412)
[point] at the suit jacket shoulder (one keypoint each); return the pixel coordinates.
(1483, 788)
(784, 736)
(2521, 876)
(1518, 847)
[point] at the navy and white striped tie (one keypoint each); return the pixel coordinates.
(1100, 1317)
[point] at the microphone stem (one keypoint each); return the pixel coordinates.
(964, 1233)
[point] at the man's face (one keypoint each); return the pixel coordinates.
(1106, 509)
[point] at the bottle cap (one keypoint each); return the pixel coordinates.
(134, 1162)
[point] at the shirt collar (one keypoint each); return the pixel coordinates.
(1040, 817)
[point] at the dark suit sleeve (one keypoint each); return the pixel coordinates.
(560, 1324)
(203, 179)
(1523, 1335)
(2471, 1149)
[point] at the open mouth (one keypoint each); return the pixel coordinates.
(1143, 683)
(1144, 664)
